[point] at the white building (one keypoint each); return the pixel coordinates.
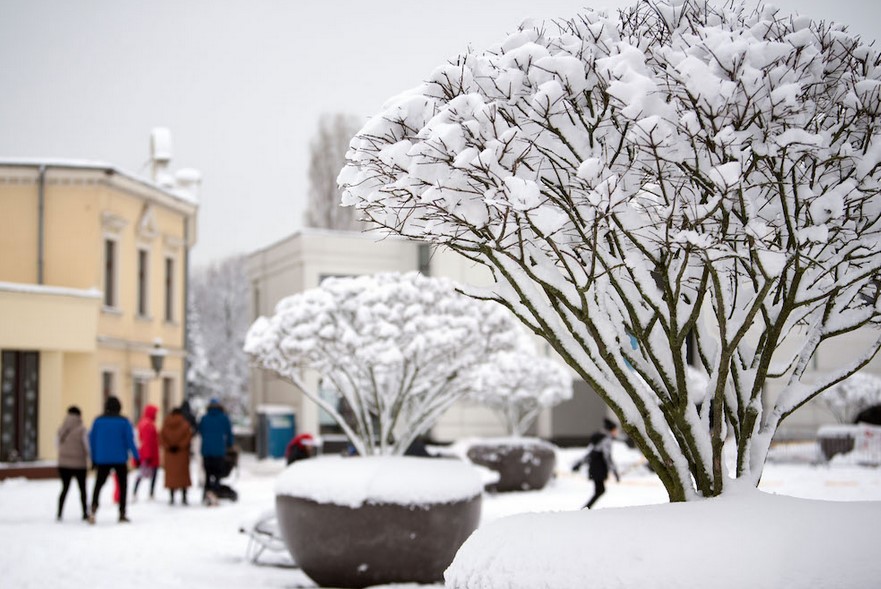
(302, 260)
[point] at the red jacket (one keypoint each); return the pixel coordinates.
(149, 437)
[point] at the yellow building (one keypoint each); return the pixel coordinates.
(93, 271)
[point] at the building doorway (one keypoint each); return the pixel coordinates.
(19, 397)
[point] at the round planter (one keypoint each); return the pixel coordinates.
(354, 526)
(522, 464)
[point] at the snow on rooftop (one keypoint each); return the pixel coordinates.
(402, 480)
(179, 193)
(55, 162)
(269, 409)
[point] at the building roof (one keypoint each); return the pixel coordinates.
(95, 165)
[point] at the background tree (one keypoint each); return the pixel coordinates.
(327, 154)
(847, 399)
(202, 380)
(220, 298)
(399, 349)
(678, 169)
(519, 385)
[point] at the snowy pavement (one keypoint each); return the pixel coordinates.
(200, 547)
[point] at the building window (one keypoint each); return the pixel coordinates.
(107, 386)
(143, 261)
(167, 395)
(169, 289)
(109, 273)
(138, 395)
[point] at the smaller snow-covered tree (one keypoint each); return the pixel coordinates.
(519, 385)
(398, 349)
(851, 396)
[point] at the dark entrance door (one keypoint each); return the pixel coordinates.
(19, 395)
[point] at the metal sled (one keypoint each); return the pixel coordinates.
(264, 538)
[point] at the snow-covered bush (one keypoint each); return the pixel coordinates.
(851, 396)
(675, 171)
(399, 349)
(519, 385)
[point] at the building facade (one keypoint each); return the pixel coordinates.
(93, 277)
(304, 259)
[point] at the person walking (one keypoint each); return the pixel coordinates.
(73, 457)
(149, 450)
(111, 440)
(215, 430)
(599, 460)
(187, 412)
(175, 436)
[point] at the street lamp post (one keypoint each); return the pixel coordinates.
(157, 356)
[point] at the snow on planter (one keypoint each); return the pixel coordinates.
(694, 545)
(402, 480)
(522, 464)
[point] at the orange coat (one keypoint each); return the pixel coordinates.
(175, 439)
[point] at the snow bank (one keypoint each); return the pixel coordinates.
(402, 480)
(746, 538)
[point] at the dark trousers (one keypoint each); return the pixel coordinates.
(599, 487)
(213, 473)
(121, 471)
(152, 482)
(66, 475)
(183, 492)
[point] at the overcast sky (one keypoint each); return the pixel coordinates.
(241, 84)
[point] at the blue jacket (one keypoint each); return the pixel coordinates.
(216, 431)
(111, 439)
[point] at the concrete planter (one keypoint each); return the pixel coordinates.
(522, 464)
(375, 542)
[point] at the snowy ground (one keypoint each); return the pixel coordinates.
(196, 547)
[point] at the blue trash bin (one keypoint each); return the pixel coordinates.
(276, 425)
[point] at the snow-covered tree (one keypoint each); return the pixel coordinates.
(221, 299)
(202, 379)
(676, 171)
(519, 385)
(399, 349)
(847, 399)
(327, 154)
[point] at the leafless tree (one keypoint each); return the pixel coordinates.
(327, 154)
(220, 298)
